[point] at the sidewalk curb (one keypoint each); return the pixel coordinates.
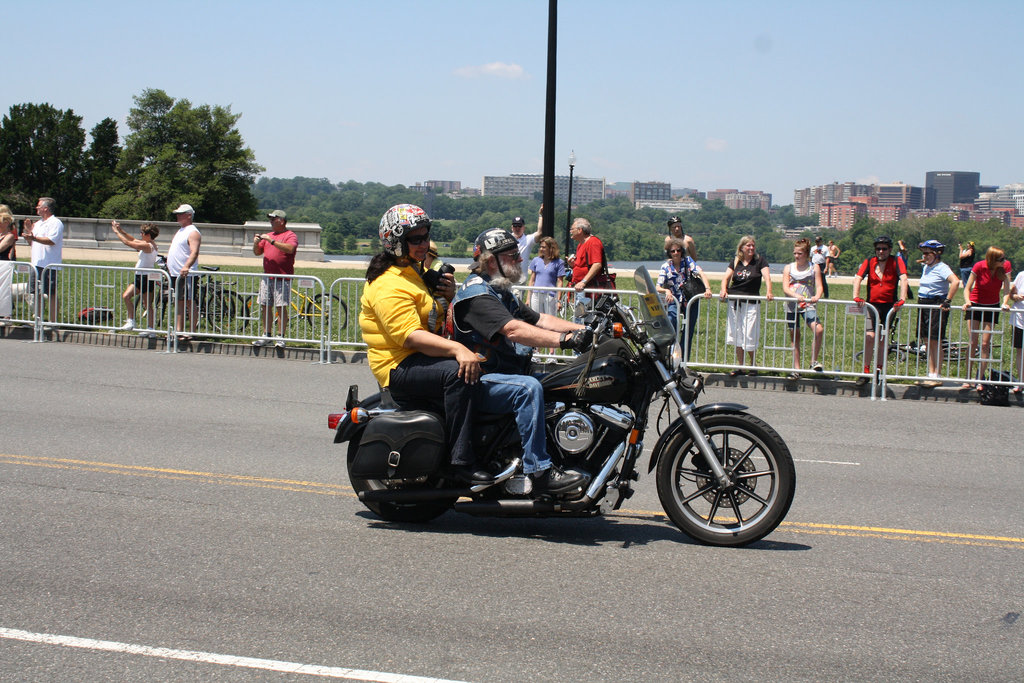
(762, 382)
(833, 387)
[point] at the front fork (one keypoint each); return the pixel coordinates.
(671, 387)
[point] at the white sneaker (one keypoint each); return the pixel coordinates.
(128, 326)
(279, 343)
(262, 341)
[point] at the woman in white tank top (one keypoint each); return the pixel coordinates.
(146, 245)
(802, 281)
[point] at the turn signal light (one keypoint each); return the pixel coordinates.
(617, 330)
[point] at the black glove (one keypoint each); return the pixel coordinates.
(576, 340)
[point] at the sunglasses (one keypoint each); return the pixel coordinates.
(675, 251)
(882, 249)
(419, 239)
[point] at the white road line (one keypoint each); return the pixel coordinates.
(211, 658)
(828, 462)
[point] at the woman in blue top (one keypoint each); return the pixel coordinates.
(675, 272)
(937, 287)
(546, 270)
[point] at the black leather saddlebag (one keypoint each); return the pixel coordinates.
(400, 445)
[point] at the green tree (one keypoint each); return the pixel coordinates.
(101, 161)
(179, 153)
(41, 154)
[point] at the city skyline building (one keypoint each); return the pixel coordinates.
(584, 190)
(651, 190)
(943, 188)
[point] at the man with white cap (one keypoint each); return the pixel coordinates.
(182, 257)
(278, 251)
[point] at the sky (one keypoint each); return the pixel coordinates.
(753, 95)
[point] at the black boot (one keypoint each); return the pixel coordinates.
(470, 474)
(556, 480)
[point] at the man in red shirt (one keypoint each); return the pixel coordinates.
(278, 250)
(589, 263)
(884, 275)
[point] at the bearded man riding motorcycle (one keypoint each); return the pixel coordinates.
(489, 319)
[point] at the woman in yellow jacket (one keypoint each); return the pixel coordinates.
(401, 321)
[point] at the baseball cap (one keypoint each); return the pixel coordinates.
(184, 208)
(518, 220)
(277, 213)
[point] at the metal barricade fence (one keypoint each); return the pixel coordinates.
(968, 352)
(843, 338)
(343, 313)
(15, 282)
(225, 305)
(87, 297)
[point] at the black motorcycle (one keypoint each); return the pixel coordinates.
(724, 477)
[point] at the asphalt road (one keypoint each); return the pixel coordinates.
(197, 503)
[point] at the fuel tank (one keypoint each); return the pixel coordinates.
(609, 380)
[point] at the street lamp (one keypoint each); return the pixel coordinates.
(568, 208)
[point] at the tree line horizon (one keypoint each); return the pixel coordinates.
(176, 152)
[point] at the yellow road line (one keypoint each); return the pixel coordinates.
(321, 488)
(180, 475)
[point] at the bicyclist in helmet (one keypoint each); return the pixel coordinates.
(400, 322)
(938, 285)
(887, 289)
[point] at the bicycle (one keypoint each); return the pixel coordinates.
(952, 352)
(309, 310)
(217, 303)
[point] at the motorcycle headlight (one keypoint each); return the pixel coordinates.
(675, 357)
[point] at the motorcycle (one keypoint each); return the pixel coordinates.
(724, 477)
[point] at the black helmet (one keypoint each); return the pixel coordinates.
(883, 239)
(673, 220)
(495, 240)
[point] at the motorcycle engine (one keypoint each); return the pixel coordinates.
(574, 432)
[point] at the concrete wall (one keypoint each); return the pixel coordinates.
(218, 238)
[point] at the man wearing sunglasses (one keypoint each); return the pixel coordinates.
(887, 289)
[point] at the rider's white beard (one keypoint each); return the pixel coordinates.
(513, 276)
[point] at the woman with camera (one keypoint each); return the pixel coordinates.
(679, 280)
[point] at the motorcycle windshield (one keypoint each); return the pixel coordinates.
(651, 311)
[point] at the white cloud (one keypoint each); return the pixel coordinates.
(494, 70)
(715, 145)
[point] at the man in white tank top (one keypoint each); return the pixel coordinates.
(182, 257)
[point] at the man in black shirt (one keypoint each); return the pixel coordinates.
(490, 320)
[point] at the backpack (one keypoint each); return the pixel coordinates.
(95, 316)
(868, 267)
(996, 395)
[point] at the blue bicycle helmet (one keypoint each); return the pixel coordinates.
(934, 245)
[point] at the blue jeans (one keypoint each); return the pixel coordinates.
(521, 395)
(672, 311)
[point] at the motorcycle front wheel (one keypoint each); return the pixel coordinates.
(394, 512)
(762, 481)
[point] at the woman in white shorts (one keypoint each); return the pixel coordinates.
(743, 279)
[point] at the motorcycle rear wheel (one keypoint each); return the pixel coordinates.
(760, 466)
(419, 512)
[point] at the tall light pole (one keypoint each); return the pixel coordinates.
(568, 207)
